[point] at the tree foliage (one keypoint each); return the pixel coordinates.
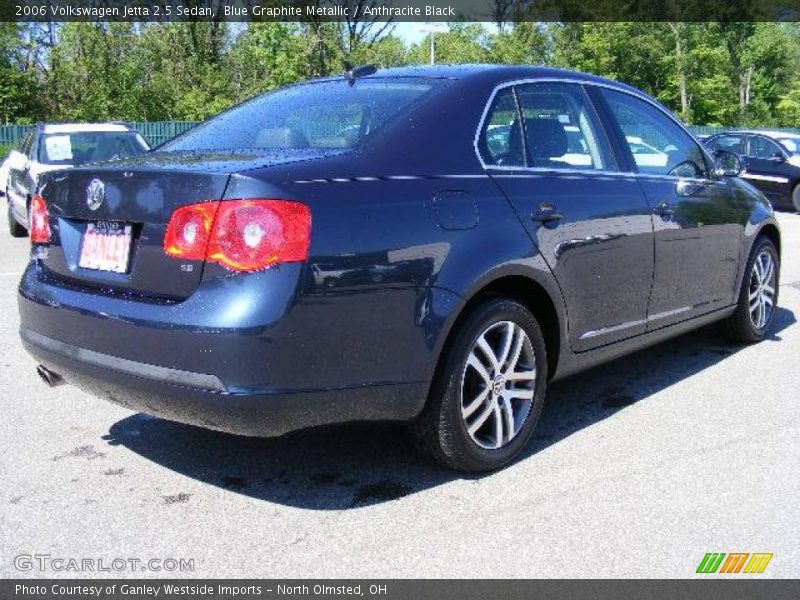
(19, 100)
(709, 73)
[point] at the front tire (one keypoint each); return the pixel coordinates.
(796, 198)
(489, 392)
(758, 296)
(15, 229)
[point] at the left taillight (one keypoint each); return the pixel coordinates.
(39, 225)
(189, 229)
(241, 235)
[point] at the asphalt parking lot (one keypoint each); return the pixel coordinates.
(638, 469)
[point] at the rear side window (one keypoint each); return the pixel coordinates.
(329, 114)
(561, 129)
(500, 142)
(659, 146)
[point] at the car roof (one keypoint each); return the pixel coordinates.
(83, 127)
(499, 73)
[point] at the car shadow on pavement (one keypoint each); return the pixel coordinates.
(351, 466)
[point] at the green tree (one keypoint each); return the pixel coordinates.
(711, 73)
(185, 78)
(463, 43)
(628, 52)
(525, 43)
(265, 56)
(18, 84)
(389, 51)
(95, 74)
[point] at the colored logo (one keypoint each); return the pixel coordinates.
(735, 562)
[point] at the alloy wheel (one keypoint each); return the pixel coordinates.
(498, 385)
(762, 289)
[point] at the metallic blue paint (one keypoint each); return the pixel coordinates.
(407, 232)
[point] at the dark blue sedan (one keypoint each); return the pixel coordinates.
(428, 245)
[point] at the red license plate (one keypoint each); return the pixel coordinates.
(106, 247)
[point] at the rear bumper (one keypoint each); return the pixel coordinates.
(245, 354)
(200, 399)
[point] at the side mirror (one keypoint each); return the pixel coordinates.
(727, 164)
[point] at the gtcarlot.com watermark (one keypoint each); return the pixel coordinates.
(72, 564)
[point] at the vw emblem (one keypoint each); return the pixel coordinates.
(499, 385)
(95, 194)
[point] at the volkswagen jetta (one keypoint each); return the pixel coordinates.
(429, 245)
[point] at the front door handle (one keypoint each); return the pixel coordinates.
(664, 209)
(546, 213)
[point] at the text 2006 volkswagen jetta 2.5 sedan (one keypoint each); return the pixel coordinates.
(431, 245)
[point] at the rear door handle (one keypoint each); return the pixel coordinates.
(546, 213)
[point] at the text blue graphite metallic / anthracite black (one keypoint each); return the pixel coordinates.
(475, 232)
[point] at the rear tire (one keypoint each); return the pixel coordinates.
(506, 390)
(758, 296)
(796, 198)
(15, 229)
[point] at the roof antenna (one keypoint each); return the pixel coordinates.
(352, 73)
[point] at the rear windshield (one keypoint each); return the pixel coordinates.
(89, 147)
(330, 114)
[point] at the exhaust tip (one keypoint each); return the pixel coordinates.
(49, 377)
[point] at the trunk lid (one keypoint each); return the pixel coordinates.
(141, 192)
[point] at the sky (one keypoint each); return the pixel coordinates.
(413, 33)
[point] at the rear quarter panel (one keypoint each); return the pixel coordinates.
(392, 260)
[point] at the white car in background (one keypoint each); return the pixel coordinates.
(577, 153)
(51, 147)
(3, 178)
(645, 155)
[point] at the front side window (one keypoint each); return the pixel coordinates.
(659, 146)
(760, 147)
(729, 143)
(561, 129)
(792, 145)
(500, 142)
(324, 115)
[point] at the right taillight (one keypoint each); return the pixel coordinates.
(39, 226)
(241, 235)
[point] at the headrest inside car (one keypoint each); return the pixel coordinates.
(279, 137)
(546, 138)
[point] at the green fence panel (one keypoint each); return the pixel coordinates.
(158, 132)
(10, 135)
